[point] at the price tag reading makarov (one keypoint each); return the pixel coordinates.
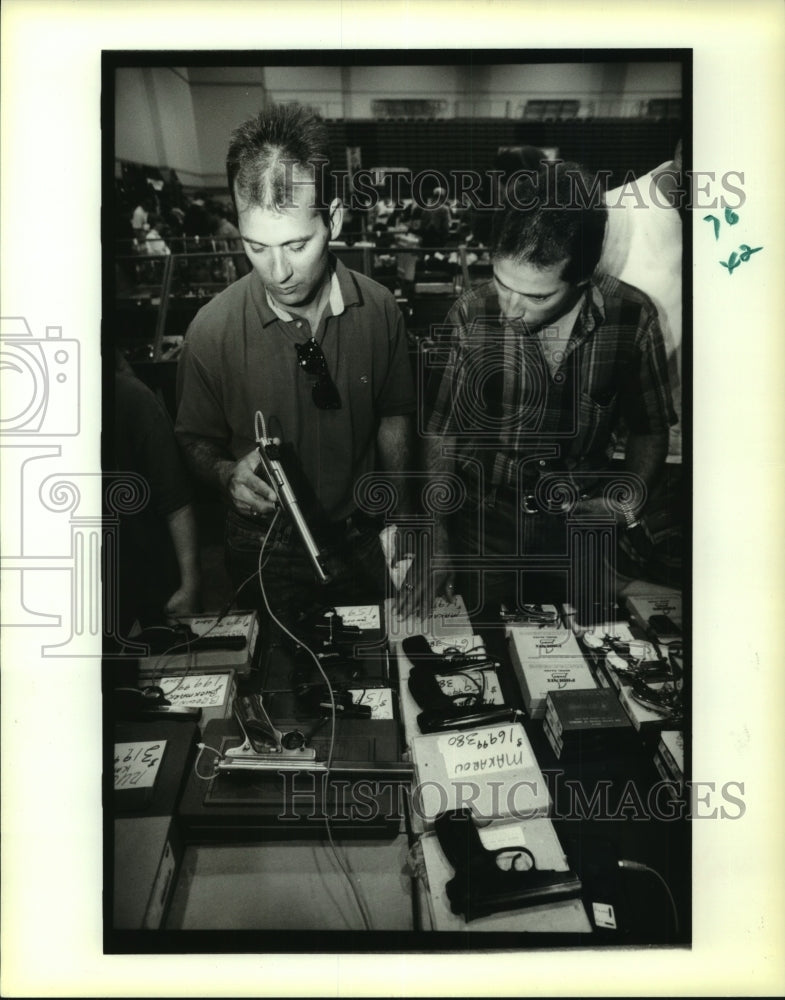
(486, 751)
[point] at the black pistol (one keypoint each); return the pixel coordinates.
(441, 711)
(480, 887)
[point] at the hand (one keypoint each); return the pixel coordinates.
(186, 600)
(250, 495)
(420, 589)
(422, 586)
(597, 507)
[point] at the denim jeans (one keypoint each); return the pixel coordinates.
(353, 557)
(509, 556)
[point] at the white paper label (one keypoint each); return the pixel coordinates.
(458, 643)
(136, 764)
(486, 751)
(380, 700)
(483, 684)
(232, 625)
(196, 691)
(365, 616)
(604, 915)
(497, 836)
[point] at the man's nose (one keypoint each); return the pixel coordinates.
(281, 268)
(514, 306)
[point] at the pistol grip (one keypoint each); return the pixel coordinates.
(480, 887)
(425, 690)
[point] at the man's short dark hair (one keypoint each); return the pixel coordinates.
(555, 213)
(269, 154)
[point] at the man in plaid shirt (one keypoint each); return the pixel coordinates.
(532, 382)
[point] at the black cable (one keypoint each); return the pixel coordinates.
(637, 866)
(315, 658)
(190, 662)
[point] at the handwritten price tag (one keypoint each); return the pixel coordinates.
(198, 691)
(364, 616)
(232, 625)
(484, 683)
(497, 836)
(380, 700)
(487, 751)
(459, 643)
(136, 764)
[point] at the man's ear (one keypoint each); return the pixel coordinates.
(336, 218)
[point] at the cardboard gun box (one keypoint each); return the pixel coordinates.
(212, 691)
(587, 723)
(448, 622)
(151, 761)
(536, 835)
(657, 614)
(547, 661)
(230, 642)
(491, 769)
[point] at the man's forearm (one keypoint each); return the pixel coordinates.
(207, 461)
(439, 462)
(394, 444)
(645, 456)
(184, 535)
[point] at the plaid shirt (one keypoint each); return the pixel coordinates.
(522, 405)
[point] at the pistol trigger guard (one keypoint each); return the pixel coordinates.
(479, 886)
(515, 850)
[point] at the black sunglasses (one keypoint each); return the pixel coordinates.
(313, 362)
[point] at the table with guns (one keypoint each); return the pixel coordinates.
(367, 780)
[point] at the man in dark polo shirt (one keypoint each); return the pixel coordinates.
(319, 350)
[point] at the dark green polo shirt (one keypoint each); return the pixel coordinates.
(240, 357)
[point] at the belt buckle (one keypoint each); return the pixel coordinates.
(529, 504)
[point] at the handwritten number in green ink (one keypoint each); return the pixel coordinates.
(730, 217)
(735, 259)
(716, 222)
(733, 262)
(747, 251)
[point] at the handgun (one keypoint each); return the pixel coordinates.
(269, 452)
(418, 650)
(264, 746)
(480, 887)
(441, 711)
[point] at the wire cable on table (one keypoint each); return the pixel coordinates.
(349, 877)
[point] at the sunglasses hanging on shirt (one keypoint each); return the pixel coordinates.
(313, 362)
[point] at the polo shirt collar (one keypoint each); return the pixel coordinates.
(343, 293)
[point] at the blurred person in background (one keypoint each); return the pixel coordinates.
(159, 571)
